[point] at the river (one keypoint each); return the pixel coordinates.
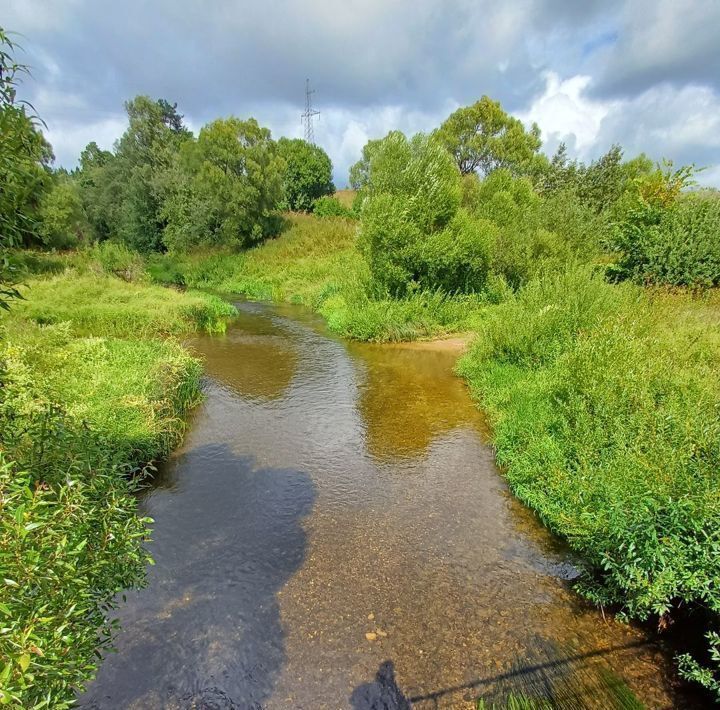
(334, 534)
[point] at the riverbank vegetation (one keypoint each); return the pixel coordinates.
(591, 288)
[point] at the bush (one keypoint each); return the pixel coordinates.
(677, 245)
(67, 547)
(77, 416)
(331, 207)
(413, 195)
(522, 246)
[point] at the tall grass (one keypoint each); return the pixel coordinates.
(105, 305)
(607, 422)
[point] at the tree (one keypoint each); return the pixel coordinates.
(599, 185)
(98, 184)
(226, 188)
(482, 138)
(24, 157)
(138, 175)
(413, 232)
(62, 218)
(360, 171)
(308, 173)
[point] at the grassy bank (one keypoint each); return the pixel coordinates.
(606, 416)
(92, 390)
(316, 263)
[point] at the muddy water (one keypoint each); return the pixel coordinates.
(333, 534)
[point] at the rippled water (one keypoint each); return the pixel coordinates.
(334, 534)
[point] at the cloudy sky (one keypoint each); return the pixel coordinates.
(643, 73)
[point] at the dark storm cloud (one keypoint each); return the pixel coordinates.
(213, 57)
(377, 65)
(662, 41)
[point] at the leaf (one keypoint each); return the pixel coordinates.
(24, 661)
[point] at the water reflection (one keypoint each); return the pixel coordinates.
(255, 358)
(409, 398)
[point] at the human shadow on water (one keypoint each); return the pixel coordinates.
(382, 694)
(206, 631)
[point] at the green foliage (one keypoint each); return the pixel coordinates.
(607, 423)
(707, 677)
(482, 138)
(24, 155)
(144, 155)
(307, 175)
(76, 415)
(413, 232)
(676, 243)
(599, 185)
(63, 223)
(82, 408)
(98, 182)
(331, 207)
(67, 547)
(227, 188)
(522, 245)
(359, 175)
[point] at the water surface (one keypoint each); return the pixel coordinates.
(334, 534)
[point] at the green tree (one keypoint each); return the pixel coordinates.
(360, 171)
(227, 187)
(63, 223)
(307, 175)
(98, 183)
(599, 185)
(482, 138)
(144, 155)
(413, 232)
(24, 157)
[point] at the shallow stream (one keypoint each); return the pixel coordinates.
(334, 534)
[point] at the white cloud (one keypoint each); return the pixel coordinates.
(682, 124)
(68, 138)
(564, 112)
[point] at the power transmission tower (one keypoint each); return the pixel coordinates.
(310, 113)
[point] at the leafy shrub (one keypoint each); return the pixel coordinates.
(67, 547)
(330, 207)
(705, 676)
(677, 245)
(77, 416)
(413, 232)
(457, 258)
(522, 246)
